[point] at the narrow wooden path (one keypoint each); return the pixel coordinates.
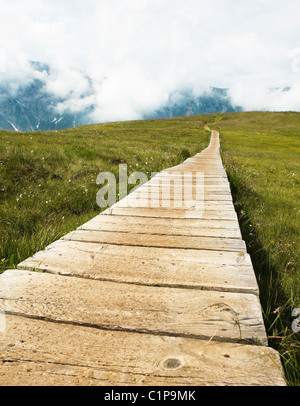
(162, 294)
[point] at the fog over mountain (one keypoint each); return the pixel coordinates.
(35, 107)
(113, 60)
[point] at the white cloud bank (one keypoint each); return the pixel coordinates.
(127, 56)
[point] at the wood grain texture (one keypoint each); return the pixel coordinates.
(170, 213)
(157, 240)
(225, 316)
(195, 269)
(183, 227)
(37, 353)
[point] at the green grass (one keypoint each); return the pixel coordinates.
(48, 179)
(261, 154)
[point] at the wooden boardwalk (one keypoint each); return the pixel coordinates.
(163, 294)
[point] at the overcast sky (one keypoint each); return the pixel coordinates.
(137, 52)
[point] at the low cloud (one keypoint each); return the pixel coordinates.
(127, 94)
(266, 99)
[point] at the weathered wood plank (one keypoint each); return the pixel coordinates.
(169, 213)
(186, 177)
(144, 200)
(181, 224)
(38, 353)
(180, 174)
(168, 254)
(168, 171)
(157, 240)
(156, 192)
(119, 306)
(163, 226)
(210, 182)
(209, 190)
(212, 170)
(75, 259)
(218, 186)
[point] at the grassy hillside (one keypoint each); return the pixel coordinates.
(261, 153)
(48, 188)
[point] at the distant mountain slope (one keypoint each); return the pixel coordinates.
(184, 103)
(32, 108)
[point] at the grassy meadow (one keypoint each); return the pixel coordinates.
(48, 188)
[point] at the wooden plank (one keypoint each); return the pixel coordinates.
(210, 171)
(189, 177)
(152, 202)
(180, 175)
(213, 159)
(201, 167)
(91, 261)
(182, 224)
(211, 185)
(161, 254)
(208, 228)
(145, 199)
(156, 192)
(208, 168)
(168, 171)
(181, 179)
(169, 213)
(186, 192)
(157, 240)
(39, 353)
(208, 189)
(202, 159)
(119, 306)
